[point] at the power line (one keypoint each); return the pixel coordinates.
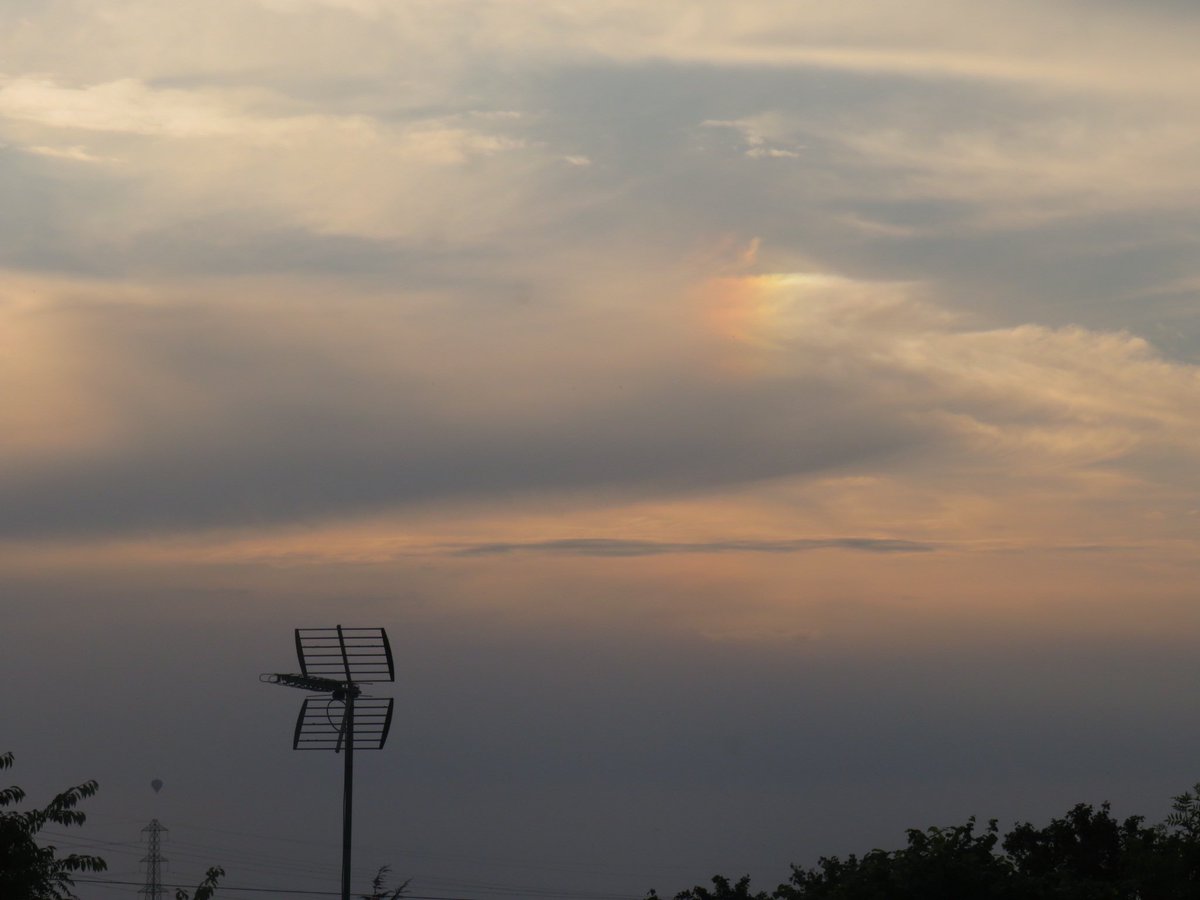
(187, 850)
(230, 888)
(203, 851)
(262, 890)
(243, 863)
(381, 848)
(273, 868)
(270, 868)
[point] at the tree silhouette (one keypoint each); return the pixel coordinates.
(206, 888)
(1085, 855)
(722, 889)
(29, 871)
(379, 888)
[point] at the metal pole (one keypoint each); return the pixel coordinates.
(348, 796)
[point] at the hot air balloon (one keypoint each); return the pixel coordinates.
(156, 784)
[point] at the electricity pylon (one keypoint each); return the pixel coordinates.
(153, 860)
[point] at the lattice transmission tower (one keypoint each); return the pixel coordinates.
(153, 860)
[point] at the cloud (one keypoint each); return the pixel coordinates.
(758, 137)
(1031, 161)
(501, 230)
(130, 106)
(1006, 118)
(252, 411)
(125, 105)
(1059, 165)
(606, 547)
(271, 412)
(198, 153)
(75, 153)
(1021, 43)
(1065, 395)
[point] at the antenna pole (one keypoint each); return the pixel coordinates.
(334, 662)
(348, 793)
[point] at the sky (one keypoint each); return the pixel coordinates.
(761, 427)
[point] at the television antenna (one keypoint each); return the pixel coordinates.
(337, 716)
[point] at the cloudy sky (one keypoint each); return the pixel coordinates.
(760, 426)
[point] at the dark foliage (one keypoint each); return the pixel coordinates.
(206, 888)
(29, 871)
(379, 888)
(1085, 855)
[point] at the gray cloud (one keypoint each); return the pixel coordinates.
(307, 461)
(617, 548)
(224, 423)
(869, 193)
(278, 410)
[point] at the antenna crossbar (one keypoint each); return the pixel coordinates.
(347, 654)
(322, 723)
